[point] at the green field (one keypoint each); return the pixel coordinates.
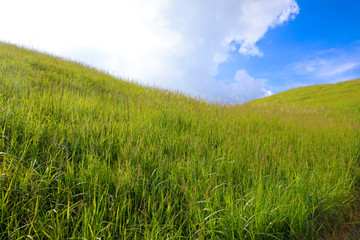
(86, 156)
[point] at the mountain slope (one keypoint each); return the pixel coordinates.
(84, 155)
(342, 95)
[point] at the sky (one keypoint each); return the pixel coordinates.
(236, 50)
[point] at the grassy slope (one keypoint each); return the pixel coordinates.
(341, 96)
(84, 155)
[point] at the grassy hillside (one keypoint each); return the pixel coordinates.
(86, 156)
(343, 96)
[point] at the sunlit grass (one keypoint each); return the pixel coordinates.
(86, 156)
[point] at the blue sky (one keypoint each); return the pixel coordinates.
(227, 49)
(321, 45)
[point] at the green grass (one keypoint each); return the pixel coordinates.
(341, 97)
(87, 156)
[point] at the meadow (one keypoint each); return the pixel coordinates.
(86, 156)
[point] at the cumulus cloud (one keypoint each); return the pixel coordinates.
(241, 89)
(288, 13)
(174, 44)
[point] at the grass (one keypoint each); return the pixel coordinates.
(87, 156)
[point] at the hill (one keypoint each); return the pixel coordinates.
(85, 155)
(341, 96)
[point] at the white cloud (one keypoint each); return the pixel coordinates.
(288, 13)
(321, 67)
(175, 44)
(346, 67)
(248, 48)
(326, 68)
(242, 89)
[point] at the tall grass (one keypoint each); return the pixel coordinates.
(86, 156)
